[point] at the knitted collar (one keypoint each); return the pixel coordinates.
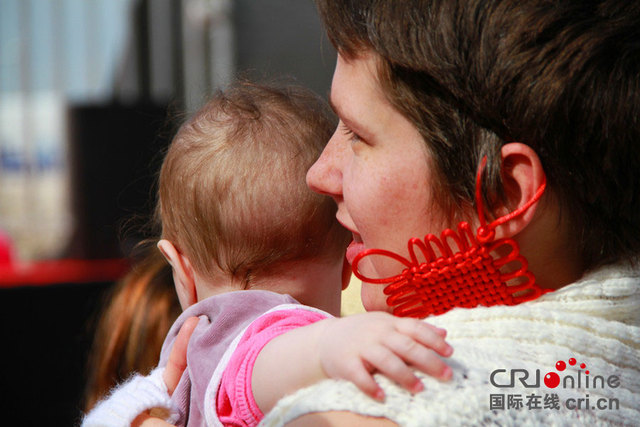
(610, 292)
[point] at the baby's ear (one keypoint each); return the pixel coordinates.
(183, 274)
(522, 175)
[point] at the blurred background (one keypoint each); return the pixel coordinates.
(95, 88)
(91, 91)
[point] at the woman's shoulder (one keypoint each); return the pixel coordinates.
(464, 394)
(590, 320)
(463, 401)
(480, 392)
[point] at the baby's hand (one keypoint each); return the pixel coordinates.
(355, 347)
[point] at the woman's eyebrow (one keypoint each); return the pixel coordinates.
(341, 114)
(350, 121)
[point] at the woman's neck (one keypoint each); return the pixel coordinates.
(548, 248)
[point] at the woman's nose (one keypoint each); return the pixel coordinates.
(325, 175)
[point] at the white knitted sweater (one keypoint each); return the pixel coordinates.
(595, 320)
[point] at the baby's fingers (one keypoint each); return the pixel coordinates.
(393, 367)
(363, 379)
(427, 335)
(420, 357)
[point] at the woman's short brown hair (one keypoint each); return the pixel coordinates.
(561, 76)
(232, 189)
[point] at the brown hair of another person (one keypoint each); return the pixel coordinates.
(133, 325)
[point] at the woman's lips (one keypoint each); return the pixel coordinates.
(354, 249)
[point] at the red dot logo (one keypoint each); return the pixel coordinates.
(582, 365)
(551, 380)
(572, 361)
(560, 365)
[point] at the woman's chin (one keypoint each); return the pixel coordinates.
(372, 295)
(353, 250)
(373, 299)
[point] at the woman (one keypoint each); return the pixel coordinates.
(550, 94)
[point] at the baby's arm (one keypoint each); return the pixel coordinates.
(351, 348)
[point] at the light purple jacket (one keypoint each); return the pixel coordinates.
(222, 318)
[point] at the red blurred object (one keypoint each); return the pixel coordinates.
(40, 273)
(6, 249)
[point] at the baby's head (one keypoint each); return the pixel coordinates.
(233, 200)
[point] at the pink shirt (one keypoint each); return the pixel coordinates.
(235, 404)
(233, 328)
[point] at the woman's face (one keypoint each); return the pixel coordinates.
(376, 168)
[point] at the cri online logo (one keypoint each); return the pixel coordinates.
(552, 380)
(502, 378)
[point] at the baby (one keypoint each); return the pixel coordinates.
(259, 259)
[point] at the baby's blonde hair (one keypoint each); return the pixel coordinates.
(232, 190)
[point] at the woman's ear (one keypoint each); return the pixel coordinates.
(183, 274)
(522, 176)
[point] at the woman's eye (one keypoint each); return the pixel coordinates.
(353, 137)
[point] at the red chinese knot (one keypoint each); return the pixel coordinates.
(463, 271)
